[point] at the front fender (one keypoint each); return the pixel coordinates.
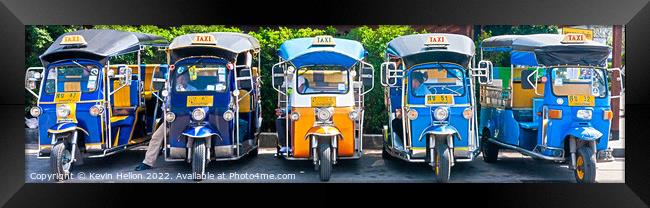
(323, 131)
(585, 133)
(439, 130)
(200, 131)
(65, 127)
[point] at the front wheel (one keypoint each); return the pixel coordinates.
(325, 160)
(198, 159)
(585, 170)
(61, 161)
(442, 162)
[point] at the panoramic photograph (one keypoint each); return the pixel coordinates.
(324, 103)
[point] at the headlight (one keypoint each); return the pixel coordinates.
(412, 114)
(354, 115)
(198, 114)
(169, 116)
(35, 111)
(440, 113)
(295, 116)
(96, 110)
(584, 114)
(228, 115)
(323, 114)
(63, 111)
(467, 113)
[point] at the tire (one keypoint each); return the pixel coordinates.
(384, 154)
(255, 152)
(490, 150)
(325, 160)
(442, 161)
(585, 170)
(198, 159)
(60, 162)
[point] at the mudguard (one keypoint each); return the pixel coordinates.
(65, 127)
(200, 131)
(440, 130)
(585, 133)
(324, 131)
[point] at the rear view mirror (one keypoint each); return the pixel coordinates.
(483, 72)
(367, 77)
(528, 79)
(124, 75)
(388, 73)
(33, 78)
(244, 79)
(277, 76)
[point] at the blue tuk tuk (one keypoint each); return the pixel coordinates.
(551, 103)
(87, 106)
(430, 101)
(212, 99)
(321, 83)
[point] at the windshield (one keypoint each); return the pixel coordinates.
(200, 76)
(579, 81)
(437, 81)
(322, 79)
(72, 78)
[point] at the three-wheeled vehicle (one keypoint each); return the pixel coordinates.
(429, 94)
(87, 106)
(321, 82)
(551, 103)
(212, 99)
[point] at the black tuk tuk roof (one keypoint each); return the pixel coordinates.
(100, 45)
(549, 49)
(414, 49)
(224, 44)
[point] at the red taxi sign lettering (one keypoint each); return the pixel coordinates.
(436, 40)
(73, 40)
(204, 39)
(574, 38)
(323, 40)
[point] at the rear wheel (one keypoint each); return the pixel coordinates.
(442, 162)
(585, 171)
(198, 159)
(489, 149)
(61, 161)
(325, 159)
(384, 153)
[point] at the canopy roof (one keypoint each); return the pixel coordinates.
(301, 52)
(418, 48)
(413, 44)
(233, 42)
(548, 50)
(227, 45)
(99, 44)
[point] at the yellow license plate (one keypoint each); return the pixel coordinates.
(193, 101)
(439, 100)
(67, 97)
(581, 100)
(323, 101)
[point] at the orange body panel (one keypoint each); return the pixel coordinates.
(341, 120)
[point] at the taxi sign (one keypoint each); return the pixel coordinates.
(436, 40)
(323, 101)
(67, 97)
(439, 100)
(323, 40)
(204, 39)
(574, 38)
(202, 101)
(73, 40)
(581, 100)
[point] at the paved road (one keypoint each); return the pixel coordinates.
(511, 168)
